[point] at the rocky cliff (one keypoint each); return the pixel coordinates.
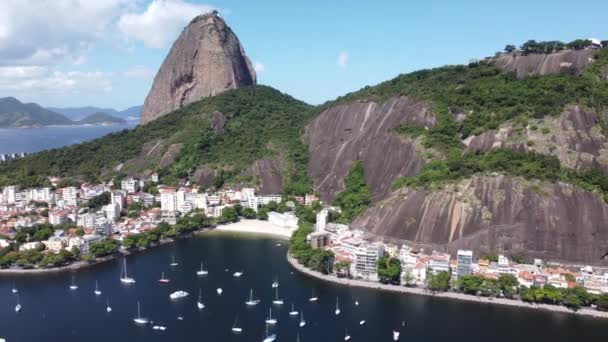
(497, 214)
(207, 59)
(567, 61)
(364, 131)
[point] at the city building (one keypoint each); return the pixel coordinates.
(130, 185)
(69, 196)
(285, 220)
(464, 263)
(318, 239)
(366, 261)
(439, 262)
(322, 219)
(168, 200)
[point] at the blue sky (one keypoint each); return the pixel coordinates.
(313, 50)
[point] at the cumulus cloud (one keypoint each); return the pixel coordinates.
(38, 79)
(259, 67)
(140, 72)
(160, 23)
(342, 60)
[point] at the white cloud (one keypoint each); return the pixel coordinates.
(259, 67)
(342, 60)
(140, 72)
(25, 80)
(160, 23)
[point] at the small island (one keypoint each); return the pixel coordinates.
(101, 118)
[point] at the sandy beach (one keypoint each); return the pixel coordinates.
(446, 295)
(256, 227)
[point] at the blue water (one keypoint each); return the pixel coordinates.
(51, 312)
(17, 140)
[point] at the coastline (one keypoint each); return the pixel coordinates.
(447, 295)
(256, 227)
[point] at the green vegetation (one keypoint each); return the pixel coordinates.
(506, 284)
(389, 268)
(184, 225)
(574, 298)
(356, 195)
(99, 201)
(320, 260)
(103, 248)
(439, 282)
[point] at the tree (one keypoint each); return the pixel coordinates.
(602, 302)
(389, 268)
(470, 284)
(510, 48)
(408, 278)
(80, 232)
(272, 206)
(321, 260)
(248, 213)
(262, 214)
(438, 282)
(103, 248)
(239, 209)
(508, 283)
(356, 195)
(228, 215)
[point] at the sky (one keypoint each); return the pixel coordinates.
(105, 53)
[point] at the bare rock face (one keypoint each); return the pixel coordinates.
(497, 214)
(207, 59)
(567, 61)
(269, 171)
(574, 137)
(218, 121)
(364, 131)
(203, 176)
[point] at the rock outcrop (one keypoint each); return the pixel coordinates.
(567, 61)
(364, 131)
(575, 137)
(497, 214)
(207, 59)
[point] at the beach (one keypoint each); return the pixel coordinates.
(446, 295)
(257, 227)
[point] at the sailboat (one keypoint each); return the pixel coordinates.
(139, 319)
(219, 291)
(275, 282)
(396, 335)
(97, 292)
(124, 278)
(269, 338)
(235, 326)
(313, 298)
(202, 271)
(238, 274)
(346, 336)
(18, 306)
(251, 301)
(14, 290)
(199, 302)
(270, 320)
(293, 311)
(108, 307)
(337, 307)
(302, 321)
(73, 287)
(173, 263)
(277, 300)
(361, 322)
(163, 279)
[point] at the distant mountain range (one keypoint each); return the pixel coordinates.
(14, 113)
(78, 113)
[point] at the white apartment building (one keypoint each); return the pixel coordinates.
(10, 194)
(439, 262)
(86, 220)
(253, 203)
(199, 201)
(464, 263)
(285, 220)
(69, 196)
(168, 201)
(214, 199)
(57, 217)
(119, 198)
(103, 226)
(270, 198)
(322, 219)
(40, 194)
(112, 211)
(366, 261)
(130, 185)
(248, 192)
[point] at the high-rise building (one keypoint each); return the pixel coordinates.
(168, 200)
(366, 260)
(130, 185)
(464, 263)
(70, 196)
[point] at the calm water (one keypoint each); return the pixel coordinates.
(15, 140)
(52, 312)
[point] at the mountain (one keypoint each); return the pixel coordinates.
(205, 60)
(78, 113)
(100, 119)
(14, 113)
(508, 154)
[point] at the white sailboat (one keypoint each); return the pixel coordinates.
(173, 262)
(199, 302)
(219, 291)
(178, 294)
(337, 312)
(97, 291)
(302, 321)
(14, 290)
(362, 322)
(293, 311)
(124, 278)
(271, 320)
(163, 279)
(108, 307)
(346, 336)
(238, 274)
(235, 326)
(139, 319)
(277, 300)
(275, 282)
(18, 306)
(313, 298)
(202, 271)
(251, 301)
(396, 335)
(269, 338)
(73, 286)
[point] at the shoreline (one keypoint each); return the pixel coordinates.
(256, 227)
(587, 312)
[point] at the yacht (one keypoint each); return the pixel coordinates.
(199, 302)
(237, 274)
(14, 290)
(356, 303)
(251, 301)
(269, 338)
(173, 263)
(18, 306)
(277, 300)
(362, 322)
(108, 307)
(235, 326)
(124, 278)
(346, 336)
(270, 320)
(97, 292)
(395, 335)
(73, 287)
(275, 282)
(313, 298)
(337, 312)
(219, 291)
(202, 271)
(293, 311)
(163, 279)
(302, 321)
(178, 294)
(139, 319)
